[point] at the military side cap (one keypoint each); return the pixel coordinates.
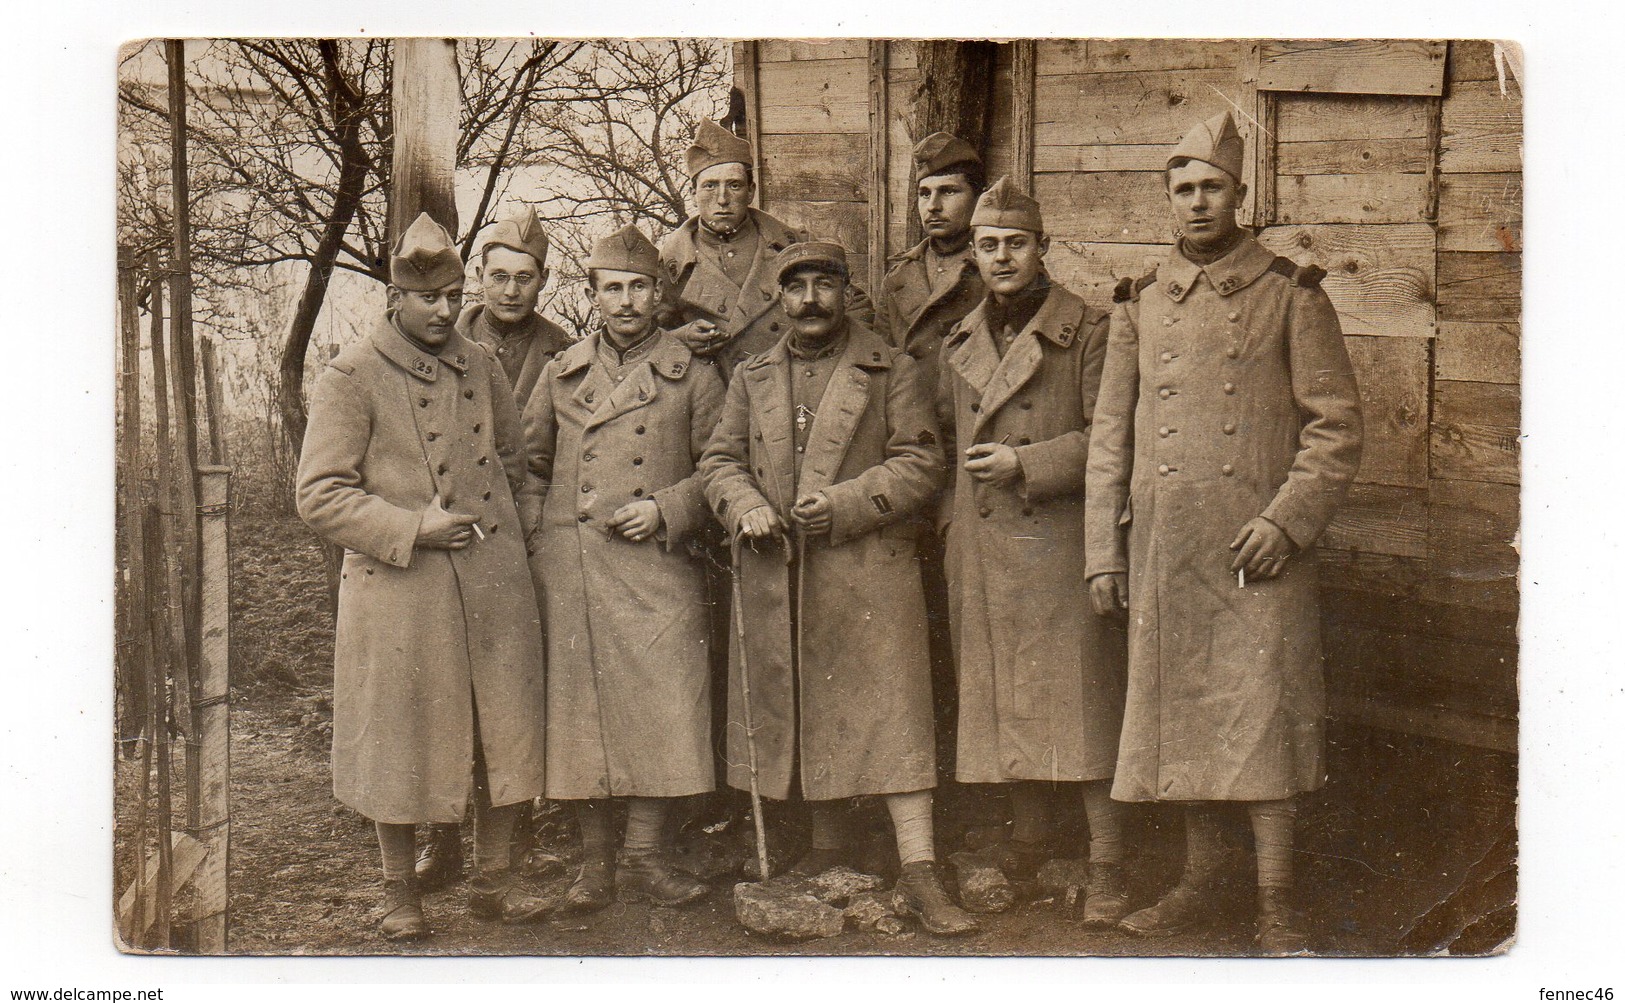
(424, 258)
(1215, 142)
(520, 231)
(939, 150)
(625, 250)
(715, 145)
(1007, 207)
(820, 254)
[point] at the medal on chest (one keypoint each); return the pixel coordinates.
(803, 415)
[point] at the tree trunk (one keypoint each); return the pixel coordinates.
(427, 101)
(955, 95)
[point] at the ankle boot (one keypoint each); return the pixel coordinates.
(922, 894)
(1282, 932)
(1187, 906)
(440, 862)
(1105, 896)
(403, 911)
(594, 886)
(496, 895)
(648, 875)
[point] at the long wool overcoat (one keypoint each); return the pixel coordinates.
(628, 690)
(535, 347)
(916, 319)
(1227, 394)
(426, 636)
(1040, 676)
(856, 719)
(696, 288)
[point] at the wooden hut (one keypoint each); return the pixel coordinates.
(1394, 165)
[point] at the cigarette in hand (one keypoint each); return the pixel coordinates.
(1241, 578)
(478, 531)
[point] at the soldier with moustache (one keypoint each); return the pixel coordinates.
(414, 464)
(825, 452)
(613, 433)
(1040, 677)
(1227, 433)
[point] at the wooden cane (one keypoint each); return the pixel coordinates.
(750, 727)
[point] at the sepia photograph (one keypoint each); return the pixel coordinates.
(695, 497)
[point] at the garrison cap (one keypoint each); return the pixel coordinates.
(823, 255)
(1007, 207)
(424, 258)
(939, 150)
(715, 145)
(520, 231)
(625, 250)
(1215, 142)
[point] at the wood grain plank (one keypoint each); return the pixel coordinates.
(900, 176)
(1379, 519)
(1475, 285)
(1481, 212)
(1000, 156)
(1471, 59)
(1418, 612)
(815, 95)
(1092, 270)
(1483, 128)
(1058, 56)
(1353, 66)
(1023, 84)
(1354, 156)
(1367, 573)
(829, 167)
(1472, 536)
(1145, 157)
(1351, 198)
(879, 154)
(1393, 378)
(1477, 730)
(1307, 118)
(1474, 434)
(903, 54)
(1412, 670)
(747, 59)
(1380, 278)
(1097, 109)
(846, 223)
(1126, 207)
(1483, 352)
(784, 50)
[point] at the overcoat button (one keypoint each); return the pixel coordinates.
(1229, 388)
(1229, 428)
(586, 489)
(801, 449)
(974, 406)
(477, 426)
(481, 461)
(637, 492)
(1167, 322)
(1167, 356)
(369, 571)
(639, 430)
(583, 517)
(495, 527)
(1024, 441)
(589, 457)
(1234, 316)
(1231, 352)
(423, 402)
(1163, 470)
(1227, 470)
(442, 468)
(468, 394)
(1165, 393)
(984, 511)
(432, 436)
(637, 461)
(1164, 432)
(486, 496)
(773, 326)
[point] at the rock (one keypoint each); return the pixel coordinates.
(982, 886)
(1061, 876)
(780, 912)
(867, 909)
(891, 926)
(838, 884)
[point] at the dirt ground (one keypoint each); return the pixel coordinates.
(1409, 849)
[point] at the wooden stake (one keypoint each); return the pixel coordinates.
(427, 100)
(879, 157)
(162, 620)
(211, 714)
(135, 642)
(213, 405)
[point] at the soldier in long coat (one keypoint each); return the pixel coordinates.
(413, 463)
(512, 272)
(832, 433)
(613, 433)
(1040, 678)
(1227, 432)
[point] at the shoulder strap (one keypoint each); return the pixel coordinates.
(1130, 289)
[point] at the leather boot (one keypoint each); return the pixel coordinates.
(1282, 932)
(440, 862)
(496, 895)
(1189, 905)
(922, 894)
(403, 911)
(650, 876)
(1105, 896)
(594, 886)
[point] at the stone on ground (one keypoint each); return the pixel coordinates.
(783, 913)
(982, 886)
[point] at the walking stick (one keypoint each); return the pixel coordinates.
(750, 727)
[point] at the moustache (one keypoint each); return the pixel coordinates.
(810, 311)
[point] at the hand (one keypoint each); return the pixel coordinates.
(702, 336)
(760, 523)
(442, 530)
(993, 463)
(637, 521)
(1262, 548)
(1109, 593)
(814, 514)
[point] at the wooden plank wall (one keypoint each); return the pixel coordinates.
(1394, 165)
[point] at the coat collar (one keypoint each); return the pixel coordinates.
(864, 349)
(1236, 270)
(996, 379)
(669, 357)
(394, 346)
(680, 249)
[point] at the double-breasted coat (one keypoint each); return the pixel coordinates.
(523, 354)
(426, 637)
(628, 689)
(1040, 676)
(1227, 394)
(854, 717)
(915, 318)
(696, 288)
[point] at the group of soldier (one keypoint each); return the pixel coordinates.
(749, 472)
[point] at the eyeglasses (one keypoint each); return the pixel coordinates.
(503, 278)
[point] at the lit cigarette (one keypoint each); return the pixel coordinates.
(1241, 578)
(478, 531)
